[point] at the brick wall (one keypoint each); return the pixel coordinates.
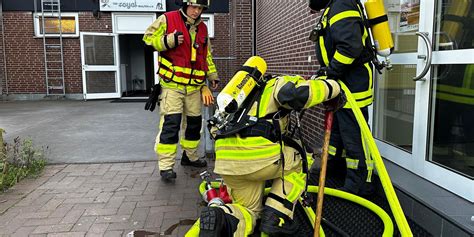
(25, 57)
(2, 61)
(283, 28)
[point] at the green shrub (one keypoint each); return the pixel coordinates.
(19, 160)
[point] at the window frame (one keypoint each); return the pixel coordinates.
(36, 17)
(208, 19)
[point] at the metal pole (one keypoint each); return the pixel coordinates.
(4, 53)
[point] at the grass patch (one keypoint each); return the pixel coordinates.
(19, 160)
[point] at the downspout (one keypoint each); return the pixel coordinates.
(254, 27)
(4, 53)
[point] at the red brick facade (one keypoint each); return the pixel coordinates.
(282, 40)
(25, 57)
(282, 29)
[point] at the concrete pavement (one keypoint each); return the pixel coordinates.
(104, 180)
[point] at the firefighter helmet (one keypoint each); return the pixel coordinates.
(200, 3)
(317, 5)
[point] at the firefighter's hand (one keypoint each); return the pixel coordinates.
(214, 84)
(206, 95)
(328, 72)
(335, 103)
(178, 37)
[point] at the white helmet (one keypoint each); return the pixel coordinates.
(200, 3)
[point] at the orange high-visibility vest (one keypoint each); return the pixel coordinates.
(176, 64)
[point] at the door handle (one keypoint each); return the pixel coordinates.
(427, 58)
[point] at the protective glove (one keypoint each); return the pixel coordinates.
(153, 98)
(328, 72)
(337, 102)
(206, 95)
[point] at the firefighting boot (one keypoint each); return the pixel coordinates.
(355, 183)
(214, 222)
(275, 223)
(186, 162)
(167, 175)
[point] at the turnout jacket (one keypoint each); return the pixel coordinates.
(342, 47)
(176, 69)
(240, 155)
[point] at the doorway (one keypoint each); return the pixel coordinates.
(136, 66)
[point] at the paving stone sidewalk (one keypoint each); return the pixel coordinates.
(109, 199)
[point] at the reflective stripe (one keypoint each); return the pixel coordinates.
(186, 81)
(243, 142)
(455, 94)
(370, 169)
(189, 144)
(181, 75)
(364, 98)
(343, 59)
(166, 148)
(247, 218)
(298, 181)
(332, 150)
(318, 91)
(265, 98)
(250, 148)
(352, 163)
(324, 53)
(251, 153)
(174, 85)
(169, 65)
(366, 33)
(343, 15)
(468, 76)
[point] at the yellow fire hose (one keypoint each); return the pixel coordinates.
(391, 196)
(392, 199)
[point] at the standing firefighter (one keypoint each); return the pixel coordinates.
(256, 144)
(343, 50)
(185, 63)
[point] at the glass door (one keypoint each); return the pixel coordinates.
(450, 158)
(100, 65)
(415, 125)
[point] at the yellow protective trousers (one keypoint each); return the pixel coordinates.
(247, 193)
(179, 111)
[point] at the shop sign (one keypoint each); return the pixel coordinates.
(133, 5)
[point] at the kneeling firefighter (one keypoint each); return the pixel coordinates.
(254, 143)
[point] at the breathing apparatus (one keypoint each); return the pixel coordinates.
(375, 20)
(380, 29)
(239, 90)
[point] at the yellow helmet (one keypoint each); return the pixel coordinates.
(200, 3)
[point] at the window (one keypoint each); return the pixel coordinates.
(208, 19)
(69, 25)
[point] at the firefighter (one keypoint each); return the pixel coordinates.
(343, 50)
(266, 150)
(185, 63)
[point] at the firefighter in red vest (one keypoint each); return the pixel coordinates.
(185, 63)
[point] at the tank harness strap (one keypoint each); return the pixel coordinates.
(378, 20)
(254, 73)
(370, 53)
(276, 123)
(287, 204)
(241, 120)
